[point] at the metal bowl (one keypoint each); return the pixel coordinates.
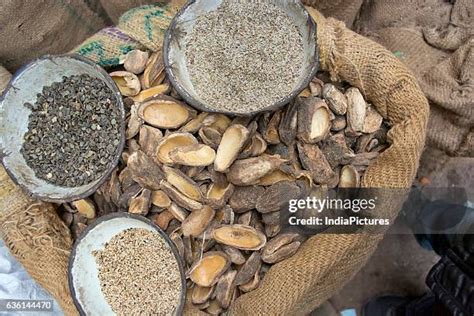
(83, 271)
(183, 23)
(14, 117)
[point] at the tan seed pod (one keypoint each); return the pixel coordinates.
(275, 177)
(338, 124)
(373, 120)
(225, 289)
(245, 198)
(201, 294)
(197, 222)
(153, 92)
(314, 120)
(219, 122)
(270, 131)
(336, 151)
(178, 212)
(165, 112)
(214, 308)
(373, 145)
(188, 250)
(207, 271)
(363, 142)
(134, 122)
(217, 177)
(248, 270)
(140, 204)
(235, 255)
(279, 241)
(160, 199)
(155, 70)
(77, 229)
(193, 155)
(217, 196)
(149, 139)
(171, 142)
(277, 196)
(193, 172)
(67, 218)
(316, 87)
(183, 183)
(232, 143)
(313, 159)
(305, 93)
(210, 137)
(336, 100)
(242, 120)
(349, 177)
(144, 171)
(282, 253)
(271, 218)
(252, 284)
(163, 219)
(135, 61)
(249, 171)
(127, 82)
(246, 218)
(85, 207)
(240, 236)
(356, 110)
(195, 124)
(178, 197)
(289, 124)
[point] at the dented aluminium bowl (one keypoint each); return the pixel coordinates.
(175, 59)
(14, 118)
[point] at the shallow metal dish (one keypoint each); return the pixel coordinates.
(14, 117)
(83, 271)
(183, 22)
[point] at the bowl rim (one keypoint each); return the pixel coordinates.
(113, 163)
(115, 215)
(311, 24)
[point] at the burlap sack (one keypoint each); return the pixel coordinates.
(326, 262)
(30, 29)
(115, 8)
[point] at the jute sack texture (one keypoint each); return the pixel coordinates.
(325, 262)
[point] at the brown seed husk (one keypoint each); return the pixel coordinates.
(336, 100)
(150, 93)
(313, 159)
(197, 222)
(336, 151)
(270, 130)
(217, 177)
(165, 112)
(183, 183)
(276, 196)
(170, 143)
(201, 294)
(193, 155)
(338, 124)
(225, 289)
(252, 284)
(135, 61)
(373, 120)
(127, 82)
(217, 196)
(240, 236)
(178, 242)
(248, 270)
(179, 213)
(219, 122)
(356, 110)
(188, 250)
(232, 143)
(314, 120)
(85, 207)
(256, 147)
(349, 177)
(245, 198)
(275, 177)
(235, 255)
(163, 219)
(210, 137)
(207, 271)
(160, 199)
(149, 139)
(246, 218)
(144, 171)
(214, 308)
(178, 197)
(195, 124)
(283, 253)
(277, 243)
(305, 93)
(272, 218)
(140, 204)
(134, 122)
(154, 72)
(289, 124)
(249, 171)
(272, 230)
(316, 87)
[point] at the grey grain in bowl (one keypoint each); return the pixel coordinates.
(174, 52)
(83, 270)
(23, 88)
